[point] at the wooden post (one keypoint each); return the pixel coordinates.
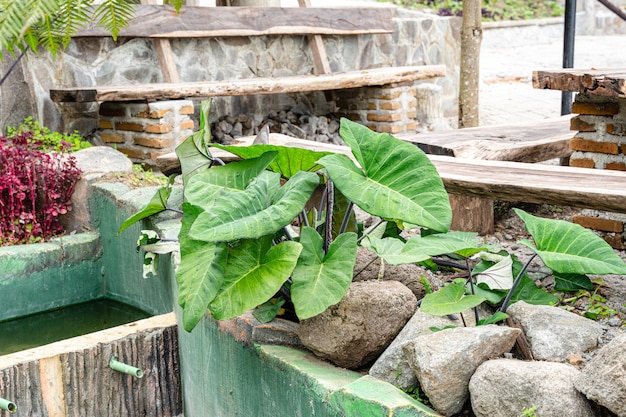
(316, 43)
(164, 54)
(471, 37)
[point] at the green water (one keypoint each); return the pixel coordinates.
(52, 326)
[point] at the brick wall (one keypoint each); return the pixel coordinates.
(390, 109)
(600, 144)
(143, 131)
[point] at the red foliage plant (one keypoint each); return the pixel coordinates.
(35, 189)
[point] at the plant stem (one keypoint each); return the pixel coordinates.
(328, 227)
(346, 218)
(471, 282)
(507, 300)
(365, 234)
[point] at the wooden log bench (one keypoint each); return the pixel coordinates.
(135, 130)
(501, 180)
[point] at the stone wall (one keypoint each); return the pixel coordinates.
(600, 144)
(418, 39)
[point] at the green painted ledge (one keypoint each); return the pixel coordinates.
(64, 271)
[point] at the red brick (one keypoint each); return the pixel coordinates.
(386, 128)
(186, 110)
(585, 145)
(616, 129)
(390, 105)
(111, 110)
(155, 154)
(132, 153)
(105, 124)
(623, 147)
(582, 163)
(599, 109)
(187, 124)
(129, 126)
(160, 128)
(153, 142)
(615, 166)
(387, 117)
(106, 138)
(576, 123)
(598, 223)
(155, 114)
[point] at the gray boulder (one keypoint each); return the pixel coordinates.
(604, 378)
(504, 387)
(445, 361)
(392, 366)
(553, 333)
(353, 332)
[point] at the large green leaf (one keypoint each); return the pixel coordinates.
(262, 209)
(397, 180)
(528, 291)
(449, 300)
(288, 162)
(201, 271)
(192, 153)
(570, 248)
(321, 280)
(572, 282)
(202, 188)
(157, 204)
(394, 251)
(461, 243)
(254, 273)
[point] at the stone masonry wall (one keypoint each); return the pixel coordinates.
(418, 39)
(600, 144)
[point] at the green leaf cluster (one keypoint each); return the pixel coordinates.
(278, 225)
(52, 23)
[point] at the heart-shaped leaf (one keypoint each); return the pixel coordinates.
(254, 273)
(397, 180)
(394, 251)
(321, 280)
(201, 271)
(288, 162)
(572, 282)
(157, 204)
(499, 276)
(461, 243)
(570, 248)
(449, 300)
(263, 208)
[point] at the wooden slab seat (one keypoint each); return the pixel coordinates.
(242, 87)
(160, 22)
(501, 180)
(520, 142)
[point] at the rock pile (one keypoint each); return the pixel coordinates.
(473, 367)
(296, 123)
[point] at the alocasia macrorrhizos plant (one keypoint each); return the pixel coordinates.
(279, 223)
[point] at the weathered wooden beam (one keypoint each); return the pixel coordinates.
(163, 49)
(500, 180)
(192, 22)
(520, 142)
(609, 82)
(293, 84)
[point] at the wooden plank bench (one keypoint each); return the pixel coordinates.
(502, 180)
(519, 142)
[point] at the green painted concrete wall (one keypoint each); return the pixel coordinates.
(110, 205)
(45, 276)
(224, 377)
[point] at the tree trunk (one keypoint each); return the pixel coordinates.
(471, 37)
